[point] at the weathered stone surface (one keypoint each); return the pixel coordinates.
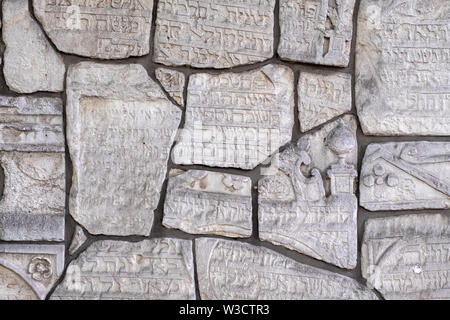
(33, 162)
(406, 175)
(407, 257)
(235, 270)
(28, 272)
(30, 62)
(237, 119)
(120, 127)
(296, 212)
(402, 67)
(321, 97)
(316, 31)
(214, 33)
(78, 239)
(173, 82)
(156, 269)
(98, 29)
(206, 202)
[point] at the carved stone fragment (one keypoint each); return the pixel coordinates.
(237, 119)
(402, 67)
(156, 269)
(206, 202)
(406, 257)
(32, 157)
(295, 211)
(321, 97)
(316, 31)
(97, 29)
(78, 239)
(230, 270)
(406, 175)
(214, 33)
(120, 127)
(28, 271)
(173, 82)
(30, 62)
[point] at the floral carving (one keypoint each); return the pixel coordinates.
(40, 268)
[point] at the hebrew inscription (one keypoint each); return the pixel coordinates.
(316, 31)
(205, 202)
(402, 67)
(111, 29)
(120, 127)
(157, 269)
(237, 119)
(213, 33)
(407, 257)
(173, 82)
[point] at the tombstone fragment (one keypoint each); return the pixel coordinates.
(173, 82)
(120, 128)
(78, 239)
(206, 202)
(157, 269)
(30, 62)
(97, 29)
(214, 33)
(406, 257)
(236, 119)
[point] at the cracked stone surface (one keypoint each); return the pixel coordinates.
(173, 82)
(78, 239)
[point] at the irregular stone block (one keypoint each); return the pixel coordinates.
(237, 119)
(296, 212)
(406, 257)
(173, 82)
(214, 33)
(30, 62)
(97, 29)
(78, 239)
(29, 271)
(231, 270)
(321, 97)
(316, 31)
(120, 128)
(402, 67)
(406, 175)
(157, 269)
(206, 202)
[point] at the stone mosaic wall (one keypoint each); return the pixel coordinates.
(232, 149)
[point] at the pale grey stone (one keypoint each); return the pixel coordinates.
(230, 270)
(214, 33)
(322, 97)
(157, 269)
(120, 128)
(295, 211)
(407, 175)
(318, 31)
(402, 67)
(78, 239)
(29, 271)
(30, 62)
(237, 119)
(206, 202)
(98, 29)
(406, 257)
(173, 82)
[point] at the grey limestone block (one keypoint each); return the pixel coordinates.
(173, 82)
(78, 239)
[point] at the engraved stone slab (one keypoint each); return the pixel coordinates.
(206, 202)
(157, 269)
(98, 29)
(27, 271)
(78, 239)
(295, 211)
(321, 97)
(316, 31)
(402, 67)
(406, 175)
(407, 257)
(237, 119)
(230, 270)
(173, 82)
(30, 62)
(120, 127)
(214, 33)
